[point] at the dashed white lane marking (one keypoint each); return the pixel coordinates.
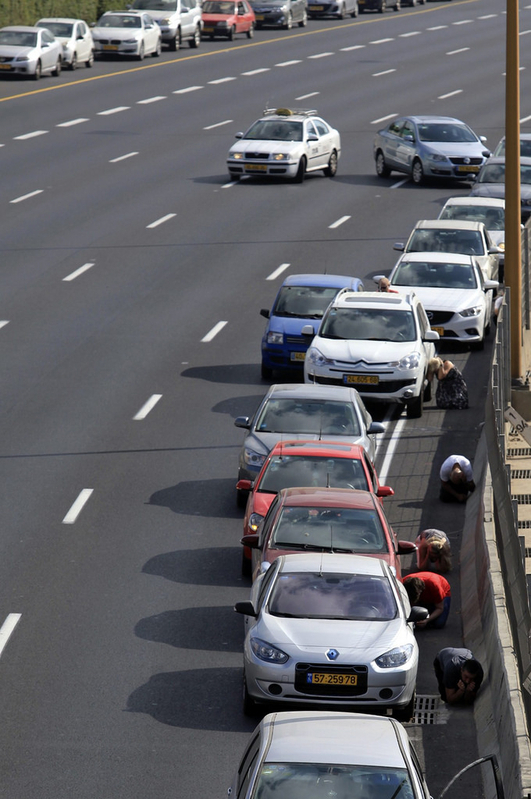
(278, 271)
(71, 122)
(463, 22)
(524, 33)
(400, 183)
(228, 185)
(391, 451)
(26, 196)
(149, 100)
(221, 80)
(78, 506)
(4, 322)
(338, 222)
(381, 41)
(490, 16)
(188, 89)
(437, 28)
(257, 71)
(306, 96)
(219, 124)
(411, 33)
(288, 63)
(122, 158)
(352, 47)
(7, 628)
(147, 407)
(525, 119)
(215, 330)
(2, 145)
(320, 55)
(520, 69)
(385, 72)
(461, 50)
(73, 275)
(31, 135)
(116, 110)
(450, 94)
(383, 119)
(160, 221)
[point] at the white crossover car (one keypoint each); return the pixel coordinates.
(285, 143)
(75, 37)
(30, 52)
(133, 34)
(456, 297)
(330, 628)
(378, 343)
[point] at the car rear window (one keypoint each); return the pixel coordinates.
(313, 527)
(308, 417)
(465, 242)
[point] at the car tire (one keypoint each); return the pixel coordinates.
(405, 714)
(417, 172)
(158, 50)
(250, 32)
(304, 20)
(38, 69)
(241, 502)
(141, 53)
(231, 34)
(249, 705)
(301, 171)
(382, 170)
(195, 41)
(73, 64)
(415, 407)
(427, 391)
(234, 176)
(247, 566)
(57, 71)
(331, 170)
(266, 372)
(89, 63)
(354, 13)
(289, 24)
(478, 345)
(176, 42)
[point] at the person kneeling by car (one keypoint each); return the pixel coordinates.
(431, 591)
(458, 674)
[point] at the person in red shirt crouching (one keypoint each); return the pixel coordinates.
(431, 591)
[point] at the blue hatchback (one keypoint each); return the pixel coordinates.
(301, 300)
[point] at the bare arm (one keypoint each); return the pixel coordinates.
(463, 693)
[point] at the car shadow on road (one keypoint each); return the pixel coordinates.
(212, 498)
(214, 629)
(216, 566)
(240, 374)
(239, 406)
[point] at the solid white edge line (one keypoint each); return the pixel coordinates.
(7, 628)
(278, 271)
(73, 275)
(219, 124)
(160, 221)
(26, 196)
(383, 119)
(147, 407)
(30, 135)
(71, 122)
(215, 330)
(393, 442)
(122, 158)
(338, 222)
(78, 506)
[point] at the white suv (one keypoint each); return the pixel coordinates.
(179, 20)
(379, 343)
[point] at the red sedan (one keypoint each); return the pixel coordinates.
(325, 520)
(227, 18)
(293, 464)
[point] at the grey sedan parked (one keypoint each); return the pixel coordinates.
(280, 13)
(429, 146)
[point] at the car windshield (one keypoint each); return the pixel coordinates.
(313, 527)
(369, 324)
(492, 218)
(308, 302)
(18, 38)
(525, 148)
(319, 781)
(119, 21)
(359, 597)
(466, 242)
(291, 471)
(445, 132)
(275, 130)
(307, 416)
(429, 275)
(218, 7)
(155, 5)
(58, 28)
(492, 173)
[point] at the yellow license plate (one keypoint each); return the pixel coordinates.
(333, 679)
(208, 30)
(110, 47)
(260, 17)
(361, 379)
(468, 169)
(316, 8)
(5, 66)
(439, 330)
(298, 356)
(255, 168)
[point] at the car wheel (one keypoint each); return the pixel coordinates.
(241, 502)
(234, 176)
(38, 70)
(331, 169)
(383, 7)
(417, 172)
(158, 49)
(250, 32)
(140, 56)
(246, 566)
(304, 20)
(57, 70)
(415, 406)
(478, 345)
(427, 391)
(301, 171)
(89, 63)
(176, 42)
(266, 372)
(195, 41)
(231, 34)
(355, 11)
(289, 24)
(382, 170)
(249, 705)
(73, 63)
(405, 714)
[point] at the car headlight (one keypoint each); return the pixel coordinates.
(165, 21)
(254, 459)
(255, 520)
(130, 41)
(280, 157)
(222, 24)
(275, 338)
(268, 652)
(475, 311)
(411, 361)
(437, 157)
(526, 202)
(22, 58)
(501, 245)
(316, 358)
(395, 657)
(236, 155)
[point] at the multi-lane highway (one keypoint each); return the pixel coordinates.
(132, 274)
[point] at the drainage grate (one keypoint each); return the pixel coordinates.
(522, 499)
(521, 474)
(430, 709)
(519, 452)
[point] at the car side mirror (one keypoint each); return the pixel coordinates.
(409, 138)
(264, 312)
(483, 139)
(242, 421)
(247, 608)
(385, 491)
(431, 335)
(417, 613)
(399, 246)
(375, 427)
(495, 250)
(307, 330)
(244, 485)
(405, 548)
(239, 135)
(377, 278)
(252, 540)
(312, 137)
(491, 284)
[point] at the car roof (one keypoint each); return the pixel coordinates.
(332, 281)
(492, 202)
(309, 391)
(433, 118)
(326, 497)
(448, 224)
(332, 563)
(134, 12)
(525, 160)
(334, 737)
(22, 28)
(323, 449)
(58, 19)
(437, 258)
(374, 298)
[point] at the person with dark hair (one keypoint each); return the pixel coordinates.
(456, 479)
(431, 591)
(459, 675)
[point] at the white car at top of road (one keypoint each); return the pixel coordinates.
(285, 143)
(127, 33)
(179, 20)
(75, 37)
(456, 297)
(29, 51)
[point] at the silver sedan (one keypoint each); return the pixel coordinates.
(29, 51)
